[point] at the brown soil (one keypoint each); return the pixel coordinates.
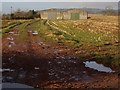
(45, 64)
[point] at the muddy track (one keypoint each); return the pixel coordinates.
(42, 64)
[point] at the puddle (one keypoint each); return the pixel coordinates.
(8, 78)
(15, 85)
(96, 66)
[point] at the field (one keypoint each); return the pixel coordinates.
(54, 58)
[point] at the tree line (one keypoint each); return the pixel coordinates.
(31, 14)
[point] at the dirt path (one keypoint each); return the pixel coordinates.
(42, 64)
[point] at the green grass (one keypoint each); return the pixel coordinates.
(80, 37)
(7, 29)
(8, 25)
(77, 36)
(23, 35)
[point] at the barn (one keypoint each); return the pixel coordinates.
(75, 14)
(51, 14)
(71, 14)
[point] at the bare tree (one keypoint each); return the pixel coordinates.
(109, 11)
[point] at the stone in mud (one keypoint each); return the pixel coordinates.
(11, 32)
(36, 68)
(34, 33)
(108, 43)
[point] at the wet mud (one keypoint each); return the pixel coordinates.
(46, 65)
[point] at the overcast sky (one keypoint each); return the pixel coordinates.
(45, 5)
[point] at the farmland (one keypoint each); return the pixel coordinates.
(54, 57)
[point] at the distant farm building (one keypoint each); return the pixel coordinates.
(75, 14)
(51, 14)
(54, 14)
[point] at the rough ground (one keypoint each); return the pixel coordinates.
(38, 63)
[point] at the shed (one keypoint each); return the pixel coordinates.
(43, 15)
(75, 14)
(66, 15)
(59, 15)
(54, 14)
(51, 14)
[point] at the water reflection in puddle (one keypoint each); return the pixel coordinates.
(15, 85)
(96, 66)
